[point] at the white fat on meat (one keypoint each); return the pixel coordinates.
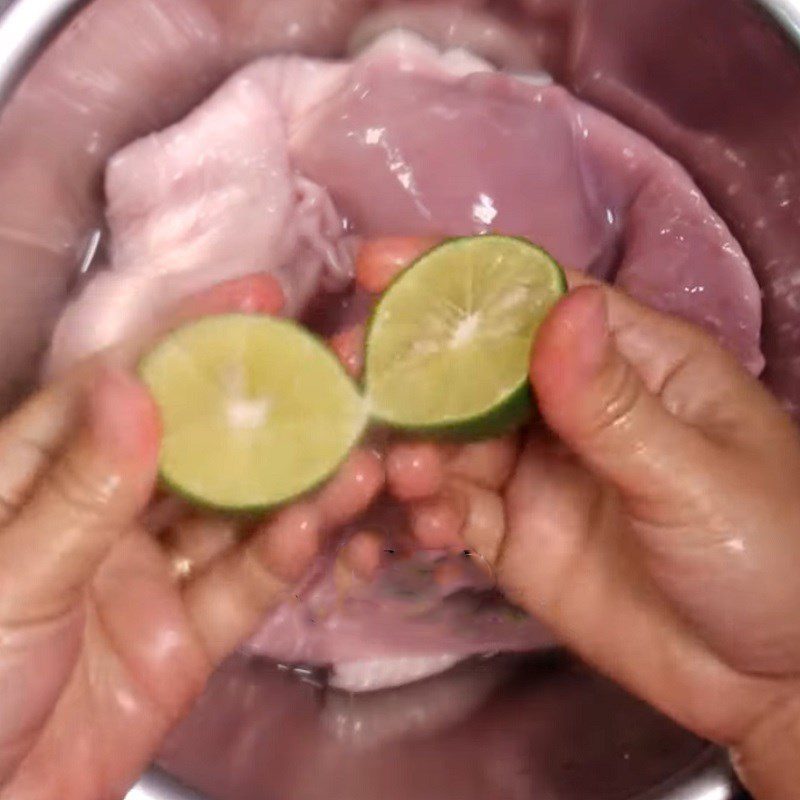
(209, 199)
(452, 25)
(374, 720)
(402, 623)
(388, 673)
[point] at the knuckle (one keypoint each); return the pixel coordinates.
(85, 494)
(620, 394)
(28, 458)
(9, 507)
(263, 587)
(672, 384)
(30, 452)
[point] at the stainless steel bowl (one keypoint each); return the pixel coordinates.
(717, 85)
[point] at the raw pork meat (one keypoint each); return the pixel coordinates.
(211, 199)
(238, 186)
(292, 158)
(430, 144)
(405, 625)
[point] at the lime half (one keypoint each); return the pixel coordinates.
(449, 343)
(256, 411)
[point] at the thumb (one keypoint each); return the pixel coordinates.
(594, 399)
(84, 502)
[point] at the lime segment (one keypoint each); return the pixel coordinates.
(449, 343)
(256, 411)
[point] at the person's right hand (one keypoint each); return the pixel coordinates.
(653, 521)
(660, 537)
(658, 532)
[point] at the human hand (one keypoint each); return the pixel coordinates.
(105, 637)
(652, 524)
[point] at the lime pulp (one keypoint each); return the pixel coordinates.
(449, 343)
(256, 411)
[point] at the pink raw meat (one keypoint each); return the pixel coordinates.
(210, 199)
(404, 617)
(748, 170)
(120, 69)
(217, 195)
(416, 146)
(291, 157)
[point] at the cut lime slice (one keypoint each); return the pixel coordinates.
(449, 343)
(256, 411)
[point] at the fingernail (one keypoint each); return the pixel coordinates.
(123, 419)
(591, 334)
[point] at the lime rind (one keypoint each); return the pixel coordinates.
(254, 510)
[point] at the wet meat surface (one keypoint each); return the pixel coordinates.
(294, 162)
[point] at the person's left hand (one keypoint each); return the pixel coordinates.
(103, 643)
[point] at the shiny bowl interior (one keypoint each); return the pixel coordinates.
(716, 85)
